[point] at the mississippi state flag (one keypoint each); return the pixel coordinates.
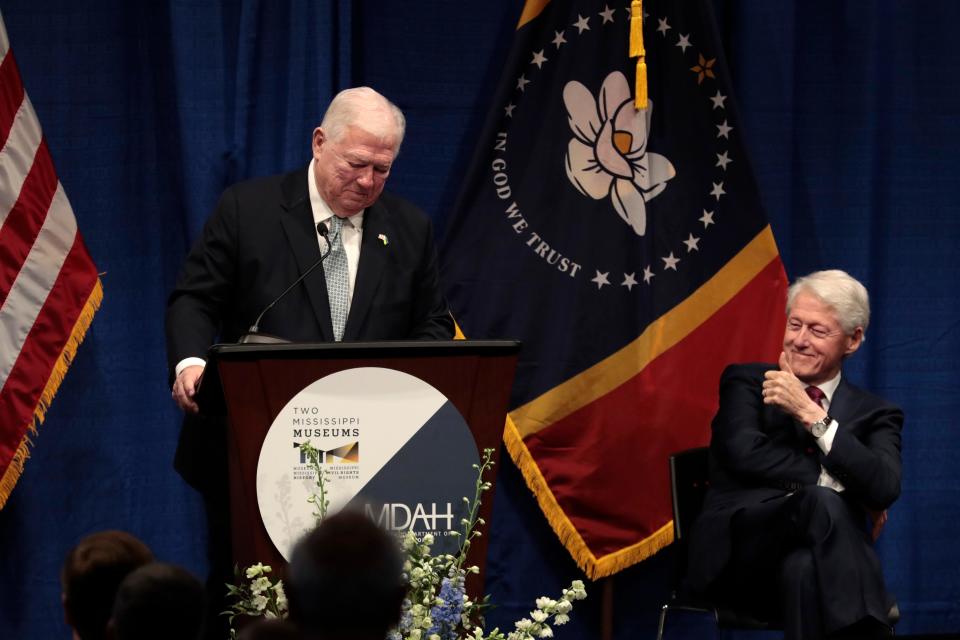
(627, 249)
(49, 289)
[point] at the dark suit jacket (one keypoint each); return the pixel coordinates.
(260, 239)
(757, 453)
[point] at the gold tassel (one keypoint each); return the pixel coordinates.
(636, 29)
(15, 468)
(640, 101)
(637, 51)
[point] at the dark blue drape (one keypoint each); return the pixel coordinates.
(150, 109)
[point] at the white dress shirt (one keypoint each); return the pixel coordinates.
(352, 229)
(825, 442)
(352, 235)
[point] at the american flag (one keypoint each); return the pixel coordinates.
(49, 289)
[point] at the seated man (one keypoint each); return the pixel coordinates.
(345, 580)
(91, 574)
(800, 460)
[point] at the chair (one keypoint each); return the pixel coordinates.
(689, 480)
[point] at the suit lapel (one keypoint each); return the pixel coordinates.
(843, 405)
(297, 222)
(374, 253)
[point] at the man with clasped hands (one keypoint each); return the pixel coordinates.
(803, 467)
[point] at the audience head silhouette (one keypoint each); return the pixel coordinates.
(158, 602)
(92, 573)
(345, 580)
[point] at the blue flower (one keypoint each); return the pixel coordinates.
(446, 613)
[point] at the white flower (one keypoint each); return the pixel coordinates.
(545, 603)
(561, 618)
(257, 569)
(564, 606)
(260, 585)
(523, 624)
(608, 154)
(538, 616)
(415, 634)
(435, 636)
(428, 539)
(269, 615)
(282, 603)
(259, 602)
(546, 632)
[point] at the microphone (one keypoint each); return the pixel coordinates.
(253, 335)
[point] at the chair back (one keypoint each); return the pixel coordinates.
(689, 480)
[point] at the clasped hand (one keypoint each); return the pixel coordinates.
(785, 390)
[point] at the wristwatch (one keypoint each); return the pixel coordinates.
(819, 427)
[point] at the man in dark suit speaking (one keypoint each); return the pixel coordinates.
(802, 464)
(380, 281)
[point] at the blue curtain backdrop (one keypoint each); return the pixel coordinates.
(850, 110)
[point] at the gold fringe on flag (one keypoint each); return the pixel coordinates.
(592, 566)
(637, 51)
(13, 471)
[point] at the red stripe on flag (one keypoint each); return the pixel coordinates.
(20, 229)
(43, 346)
(608, 460)
(11, 95)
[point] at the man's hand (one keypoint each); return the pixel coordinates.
(783, 389)
(185, 387)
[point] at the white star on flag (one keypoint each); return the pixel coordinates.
(647, 274)
(723, 160)
(707, 218)
(718, 100)
(684, 42)
(509, 109)
(581, 24)
(606, 14)
(692, 243)
(558, 39)
(629, 280)
(522, 82)
(670, 262)
(664, 27)
(538, 59)
(723, 130)
(601, 279)
(717, 190)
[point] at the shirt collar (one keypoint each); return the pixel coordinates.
(829, 387)
(321, 211)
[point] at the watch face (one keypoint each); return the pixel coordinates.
(818, 429)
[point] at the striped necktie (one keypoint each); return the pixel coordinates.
(338, 279)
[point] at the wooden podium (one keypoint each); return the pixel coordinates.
(251, 383)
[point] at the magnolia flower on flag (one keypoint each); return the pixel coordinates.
(608, 154)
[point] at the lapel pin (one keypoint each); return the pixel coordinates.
(383, 238)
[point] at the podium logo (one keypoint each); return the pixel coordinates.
(346, 454)
(397, 516)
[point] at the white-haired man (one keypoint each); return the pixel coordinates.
(380, 280)
(802, 462)
(263, 235)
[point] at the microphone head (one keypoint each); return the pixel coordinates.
(322, 230)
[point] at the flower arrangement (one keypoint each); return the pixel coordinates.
(437, 606)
